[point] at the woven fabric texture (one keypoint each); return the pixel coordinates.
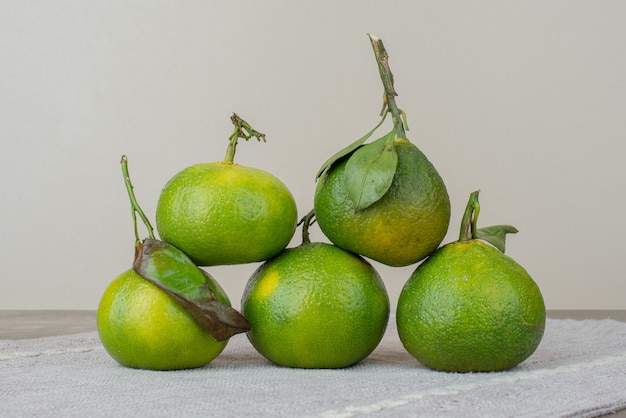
(579, 370)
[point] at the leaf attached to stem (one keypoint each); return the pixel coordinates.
(172, 271)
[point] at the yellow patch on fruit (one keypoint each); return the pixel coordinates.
(267, 286)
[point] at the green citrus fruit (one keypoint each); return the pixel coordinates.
(470, 308)
(404, 226)
(223, 213)
(140, 326)
(316, 306)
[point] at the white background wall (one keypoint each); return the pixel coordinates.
(524, 100)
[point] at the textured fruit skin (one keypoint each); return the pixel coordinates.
(220, 213)
(407, 224)
(316, 306)
(140, 326)
(470, 308)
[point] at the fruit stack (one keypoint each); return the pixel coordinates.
(467, 307)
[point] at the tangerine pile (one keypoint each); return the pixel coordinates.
(466, 307)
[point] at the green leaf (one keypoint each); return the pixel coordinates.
(347, 150)
(172, 271)
(370, 170)
(496, 235)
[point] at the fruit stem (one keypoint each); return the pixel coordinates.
(389, 99)
(241, 130)
(135, 208)
(470, 217)
(306, 222)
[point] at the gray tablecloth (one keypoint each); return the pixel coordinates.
(579, 369)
